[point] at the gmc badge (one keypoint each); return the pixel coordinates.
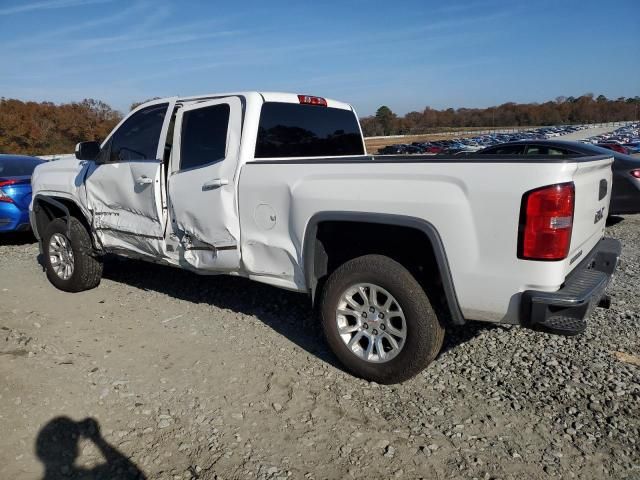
(599, 215)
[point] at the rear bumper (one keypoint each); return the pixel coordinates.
(13, 218)
(566, 310)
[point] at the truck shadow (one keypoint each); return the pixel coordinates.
(17, 238)
(460, 334)
(288, 313)
(613, 220)
(58, 448)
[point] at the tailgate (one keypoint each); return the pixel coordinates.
(592, 180)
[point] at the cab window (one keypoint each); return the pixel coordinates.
(507, 150)
(545, 150)
(137, 138)
(204, 136)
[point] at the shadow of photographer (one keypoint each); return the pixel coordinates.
(58, 448)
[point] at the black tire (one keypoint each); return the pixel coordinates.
(424, 333)
(87, 269)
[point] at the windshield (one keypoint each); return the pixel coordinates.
(18, 166)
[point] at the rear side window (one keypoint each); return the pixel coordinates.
(204, 136)
(545, 150)
(293, 130)
(137, 138)
(507, 150)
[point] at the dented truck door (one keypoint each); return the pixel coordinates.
(124, 186)
(202, 185)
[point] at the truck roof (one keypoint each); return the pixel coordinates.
(282, 97)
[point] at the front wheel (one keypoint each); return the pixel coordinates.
(69, 259)
(378, 320)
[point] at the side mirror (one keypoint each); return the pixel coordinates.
(87, 150)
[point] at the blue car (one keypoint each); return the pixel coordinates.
(15, 191)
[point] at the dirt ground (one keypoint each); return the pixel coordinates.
(160, 373)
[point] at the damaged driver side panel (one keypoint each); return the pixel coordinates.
(124, 184)
(120, 202)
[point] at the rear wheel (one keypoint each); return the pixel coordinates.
(378, 320)
(70, 262)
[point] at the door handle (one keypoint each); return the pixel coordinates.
(215, 183)
(144, 180)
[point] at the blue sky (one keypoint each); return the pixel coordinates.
(404, 54)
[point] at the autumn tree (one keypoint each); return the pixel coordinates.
(40, 128)
(386, 118)
(563, 110)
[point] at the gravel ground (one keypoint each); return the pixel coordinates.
(165, 374)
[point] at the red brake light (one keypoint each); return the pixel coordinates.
(4, 197)
(6, 183)
(309, 100)
(546, 222)
(635, 173)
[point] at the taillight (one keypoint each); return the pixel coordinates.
(3, 196)
(546, 221)
(309, 100)
(635, 173)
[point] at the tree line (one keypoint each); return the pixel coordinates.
(561, 111)
(41, 128)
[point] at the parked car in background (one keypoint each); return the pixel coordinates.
(626, 134)
(392, 150)
(15, 191)
(633, 147)
(625, 194)
(460, 146)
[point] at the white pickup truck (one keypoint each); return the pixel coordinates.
(278, 188)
